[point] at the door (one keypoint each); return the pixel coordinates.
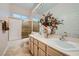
(41, 52)
(26, 28)
(15, 27)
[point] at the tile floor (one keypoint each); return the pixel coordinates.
(18, 48)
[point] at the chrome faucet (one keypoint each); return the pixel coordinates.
(63, 36)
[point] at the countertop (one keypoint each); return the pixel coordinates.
(48, 42)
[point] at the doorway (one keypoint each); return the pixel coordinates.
(15, 26)
(26, 28)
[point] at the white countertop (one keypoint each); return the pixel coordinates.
(50, 43)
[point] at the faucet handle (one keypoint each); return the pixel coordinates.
(65, 34)
(62, 37)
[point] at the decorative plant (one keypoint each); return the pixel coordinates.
(50, 21)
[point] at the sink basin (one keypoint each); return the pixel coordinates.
(66, 45)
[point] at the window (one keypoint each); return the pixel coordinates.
(36, 19)
(19, 16)
(36, 24)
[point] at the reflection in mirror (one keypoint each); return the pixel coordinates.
(69, 12)
(26, 28)
(36, 24)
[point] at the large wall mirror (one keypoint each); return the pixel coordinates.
(69, 12)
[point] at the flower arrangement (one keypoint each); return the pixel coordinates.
(51, 22)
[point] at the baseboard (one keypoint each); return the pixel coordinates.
(5, 50)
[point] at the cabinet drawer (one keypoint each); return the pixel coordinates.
(53, 52)
(42, 46)
(41, 52)
(35, 42)
(31, 39)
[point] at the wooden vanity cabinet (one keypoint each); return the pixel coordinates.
(41, 52)
(35, 47)
(35, 41)
(42, 46)
(53, 52)
(42, 49)
(31, 39)
(35, 50)
(31, 46)
(38, 48)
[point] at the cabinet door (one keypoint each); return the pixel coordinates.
(42, 46)
(35, 50)
(35, 41)
(15, 28)
(29, 44)
(41, 52)
(53, 52)
(32, 48)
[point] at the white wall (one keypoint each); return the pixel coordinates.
(3, 40)
(15, 26)
(70, 14)
(4, 10)
(19, 10)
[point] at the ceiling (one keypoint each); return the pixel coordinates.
(22, 8)
(26, 5)
(29, 7)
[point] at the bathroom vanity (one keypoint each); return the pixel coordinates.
(40, 46)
